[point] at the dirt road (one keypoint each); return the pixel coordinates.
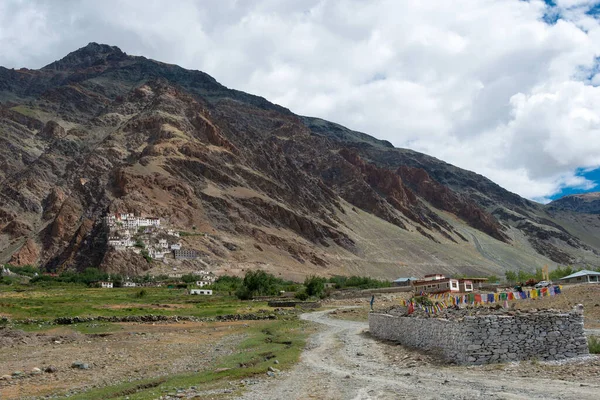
(344, 362)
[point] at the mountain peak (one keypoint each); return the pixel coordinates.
(92, 54)
(581, 202)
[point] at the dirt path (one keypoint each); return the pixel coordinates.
(342, 362)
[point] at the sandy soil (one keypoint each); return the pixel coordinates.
(342, 361)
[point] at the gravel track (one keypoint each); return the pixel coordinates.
(343, 362)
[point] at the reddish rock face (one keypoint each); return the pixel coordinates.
(29, 254)
(445, 199)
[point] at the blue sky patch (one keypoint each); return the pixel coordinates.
(593, 176)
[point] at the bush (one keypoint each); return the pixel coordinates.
(243, 293)
(594, 345)
(423, 300)
(302, 296)
(141, 293)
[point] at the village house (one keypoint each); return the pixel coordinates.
(171, 232)
(129, 284)
(206, 292)
(157, 253)
(175, 275)
(106, 285)
(176, 246)
(202, 283)
(466, 285)
(437, 283)
(120, 242)
(583, 276)
(163, 243)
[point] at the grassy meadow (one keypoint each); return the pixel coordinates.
(49, 303)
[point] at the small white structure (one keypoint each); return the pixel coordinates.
(129, 284)
(205, 292)
(202, 283)
(106, 285)
(156, 253)
(171, 232)
(176, 246)
(175, 275)
(162, 243)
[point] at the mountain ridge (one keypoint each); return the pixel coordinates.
(100, 131)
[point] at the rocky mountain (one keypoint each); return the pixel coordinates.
(251, 184)
(588, 203)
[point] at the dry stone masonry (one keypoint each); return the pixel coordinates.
(482, 339)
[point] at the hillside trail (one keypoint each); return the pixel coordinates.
(342, 361)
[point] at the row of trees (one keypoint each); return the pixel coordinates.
(524, 276)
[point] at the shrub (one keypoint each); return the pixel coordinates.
(141, 293)
(243, 293)
(302, 295)
(146, 255)
(594, 345)
(423, 300)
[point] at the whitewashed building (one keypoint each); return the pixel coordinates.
(106, 285)
(129, 284)
(205, 292)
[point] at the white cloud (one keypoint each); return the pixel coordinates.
(486, 85)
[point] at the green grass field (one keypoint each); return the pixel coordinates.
(282, 339)
(53, 302)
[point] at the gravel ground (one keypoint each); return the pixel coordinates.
(137, 351)
(342, 361)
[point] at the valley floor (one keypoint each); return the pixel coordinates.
(326, 354)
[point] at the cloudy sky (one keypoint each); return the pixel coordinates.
(509, 89)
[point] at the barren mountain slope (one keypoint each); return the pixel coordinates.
(253, 185)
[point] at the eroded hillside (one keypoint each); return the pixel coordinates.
(248, 182)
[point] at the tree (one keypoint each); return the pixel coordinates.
(524, 276)
(511, 276)
(561, 272)
(315, 286)
(493, 279)
(257, 283)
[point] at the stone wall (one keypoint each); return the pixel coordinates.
(488, 338)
